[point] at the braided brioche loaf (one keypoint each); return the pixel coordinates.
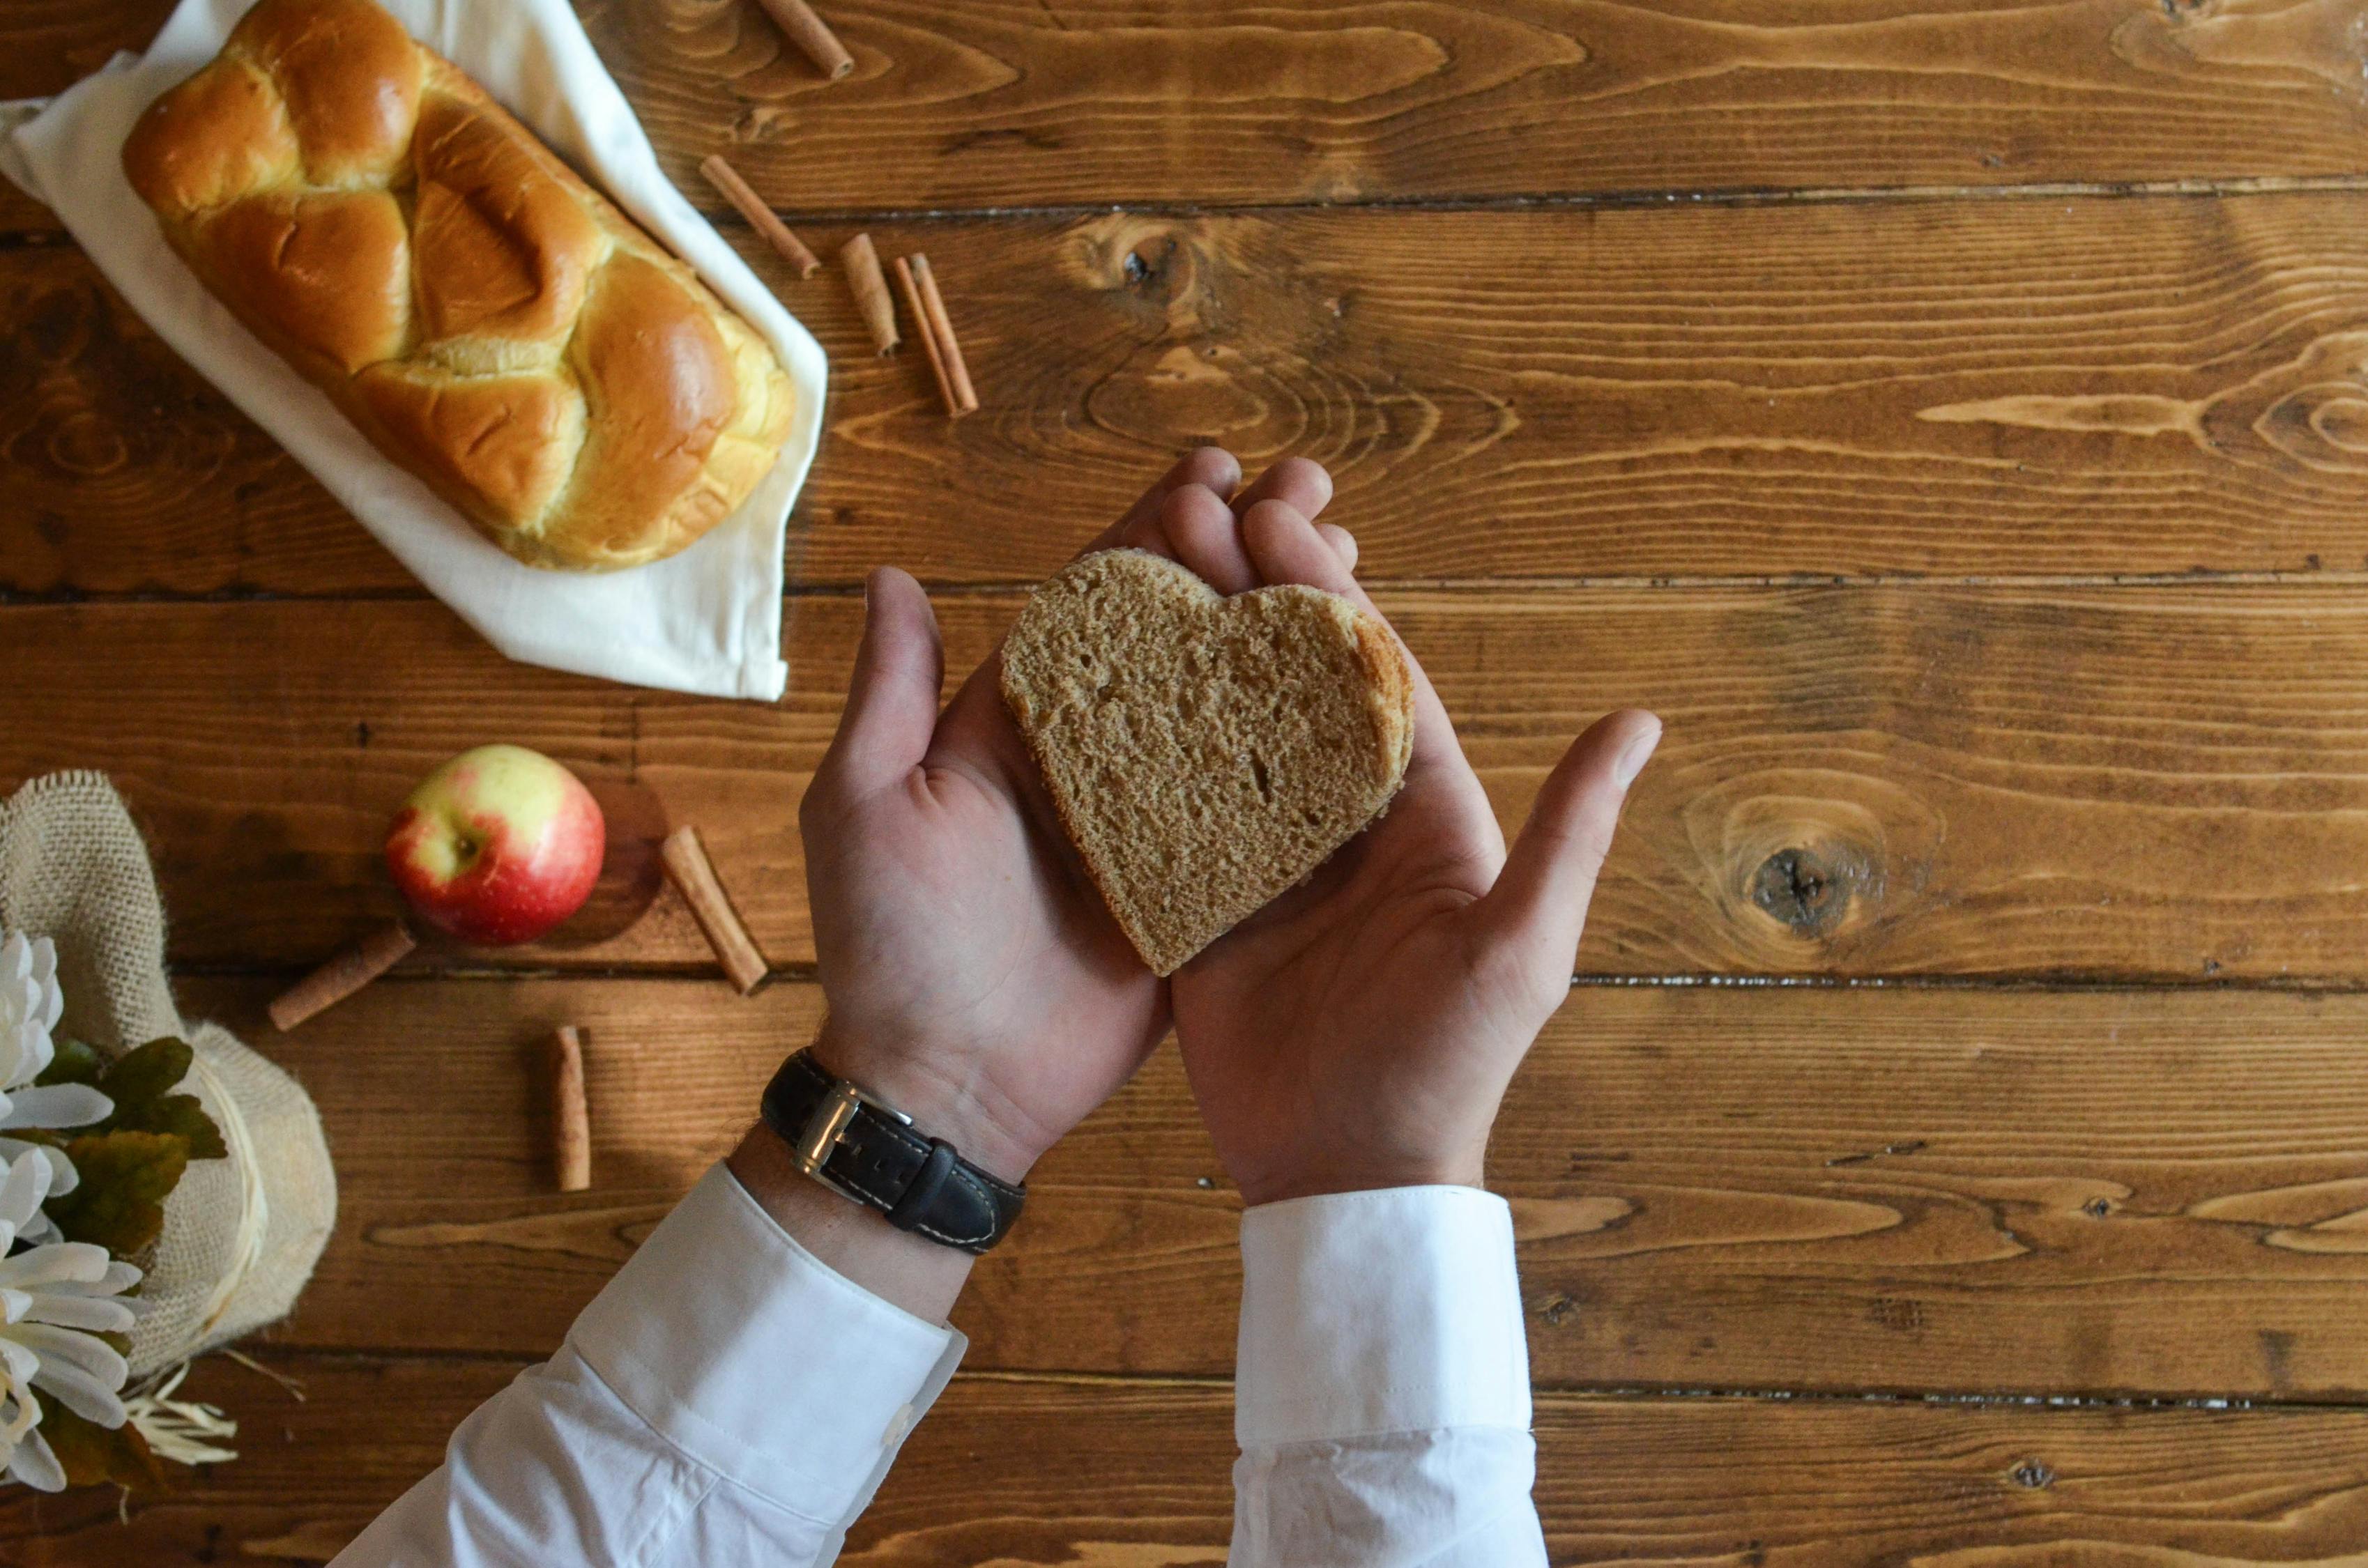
(487, 319)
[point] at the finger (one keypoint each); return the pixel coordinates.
(1286, 548)
(891, 703)
(1343, 543)
(1191, 511)
(1212, 468)
(1207, 539)
(1301, 484)
(1539, 904)
(1146, 533)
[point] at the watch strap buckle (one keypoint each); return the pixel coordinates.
(818, 1140)
(881, 1161)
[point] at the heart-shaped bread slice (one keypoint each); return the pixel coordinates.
(1205, 752)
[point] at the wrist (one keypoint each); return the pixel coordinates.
(1319, 1177)
(937, 1091)
(854, 1242)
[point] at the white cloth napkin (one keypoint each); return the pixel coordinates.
(707, 621)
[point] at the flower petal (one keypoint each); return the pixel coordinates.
(81, 1391)
(33, 1464)
(63, 1177)
(73, 1348)
(59, 1263)
(57, 1104)
(45, 975)
(26, 1183)
(93, 1314)
(120, 1277)
(20, 1361)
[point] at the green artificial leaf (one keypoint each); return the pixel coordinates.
(89, 1453)
(120, 1203)
(141, 1083)
(73, 1063)
(176, 1116)
(147, 1072)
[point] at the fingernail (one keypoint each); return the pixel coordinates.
(1632, 761)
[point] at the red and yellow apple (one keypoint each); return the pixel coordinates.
(497, 845)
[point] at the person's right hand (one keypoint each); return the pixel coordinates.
(1360, 1031)
(974, 979)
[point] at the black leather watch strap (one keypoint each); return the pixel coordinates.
(873, 1153)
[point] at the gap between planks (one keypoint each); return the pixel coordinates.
(658, 973)
(1729, 195)
(16, 599)
(288, 1355)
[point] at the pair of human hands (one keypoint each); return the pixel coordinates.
(1358, 1032)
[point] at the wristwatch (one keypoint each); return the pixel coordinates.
(866, 1150)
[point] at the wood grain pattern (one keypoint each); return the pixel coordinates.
(1108, 100)
(993, 1478)
(2143, 1193)
(1013, 103)
(2166, 783)
(1892, 474)
(1010, 104)
(1982, 389)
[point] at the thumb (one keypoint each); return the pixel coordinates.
(891, 703)
(1539, 904)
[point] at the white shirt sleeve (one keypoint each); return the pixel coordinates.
(728, 1397)
(1382, 1386)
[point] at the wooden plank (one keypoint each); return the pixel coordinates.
(52, 44)
(996, 1474)
(1975, 1190)
(46, 46)
(1973, 388)
(2166, 783)
(1111, 100)
(1235, 101)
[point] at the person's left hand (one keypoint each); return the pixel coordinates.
(1360, 1030)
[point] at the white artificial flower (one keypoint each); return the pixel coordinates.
(30, 1005)
(55, 1301)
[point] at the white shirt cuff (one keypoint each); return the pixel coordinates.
(1369, 1313)
(758, 1360)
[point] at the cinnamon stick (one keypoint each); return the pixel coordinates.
(928, 339)
(942, 328)
(810, 33)
(761, 218)
(686, 866)
(571, 1116)
(863, 276)
(354, 967)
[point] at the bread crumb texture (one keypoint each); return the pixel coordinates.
(1205, 752)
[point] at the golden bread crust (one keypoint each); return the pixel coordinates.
(488, 320)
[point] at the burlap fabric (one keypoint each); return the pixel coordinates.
(241, 1235)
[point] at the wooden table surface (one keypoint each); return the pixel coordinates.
(1950, 415)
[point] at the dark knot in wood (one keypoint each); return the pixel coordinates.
(1804, 890)
(2033, 1473)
